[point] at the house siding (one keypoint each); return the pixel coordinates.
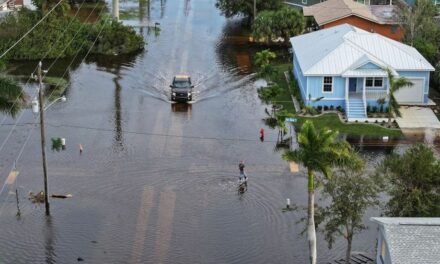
(384, 30)
(302, 81)
(315, 88)
(369, 66)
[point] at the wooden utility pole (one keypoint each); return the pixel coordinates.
(43, 136)
(255, 9)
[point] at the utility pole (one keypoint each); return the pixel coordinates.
(255, 9)
(43, 138)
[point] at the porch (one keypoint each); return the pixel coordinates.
(361, 91)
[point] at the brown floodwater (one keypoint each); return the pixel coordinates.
(157, 182)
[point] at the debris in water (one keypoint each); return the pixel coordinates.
(80, 259)
(63, 196)
(36, 198)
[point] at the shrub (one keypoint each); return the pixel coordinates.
(332, 107)
(368, 108)
(381, 109)
(319, 107)
(325, 108)
(374, 110)
(339, 108)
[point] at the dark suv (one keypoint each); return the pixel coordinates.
(181, 89)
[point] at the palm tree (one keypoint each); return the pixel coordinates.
(319, 152)
(12, 96)
(395, 84)
(262, 61)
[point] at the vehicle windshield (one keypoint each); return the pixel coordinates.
(181, 84)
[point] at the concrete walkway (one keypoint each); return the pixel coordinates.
(417, 117)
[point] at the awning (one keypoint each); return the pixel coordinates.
(366, 73)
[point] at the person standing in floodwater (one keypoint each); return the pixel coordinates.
(242, 173)
(262, 134)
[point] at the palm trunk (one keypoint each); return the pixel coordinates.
(311, 232)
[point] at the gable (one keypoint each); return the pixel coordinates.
(369, 65)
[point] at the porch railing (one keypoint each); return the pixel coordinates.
(374, 95)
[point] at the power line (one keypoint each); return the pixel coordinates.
(45, 55)
(30, 30)
(60, 54)
(30, 133)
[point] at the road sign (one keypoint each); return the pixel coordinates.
(291, 119)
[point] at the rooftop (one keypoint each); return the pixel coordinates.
(338, 49)
(411, 240)
(333, 10)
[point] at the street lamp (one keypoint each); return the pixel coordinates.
(35, 104)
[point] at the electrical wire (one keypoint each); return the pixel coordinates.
(30, 30)
(50, 67)
(30, 132)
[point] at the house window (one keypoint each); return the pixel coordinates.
(376, 82)
(327, 84)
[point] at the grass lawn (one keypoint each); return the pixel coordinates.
(330, 121)
(284, 98)
(333, 122)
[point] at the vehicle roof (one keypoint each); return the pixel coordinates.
(182, 76)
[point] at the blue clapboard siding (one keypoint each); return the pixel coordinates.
(315, 88)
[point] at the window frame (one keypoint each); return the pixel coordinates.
(373, 82)
(324, 84)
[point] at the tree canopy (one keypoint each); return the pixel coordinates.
(60, 36)
(285, 23)
(414, 182)
(231, 8)
(421, 29)
(351, 194)
(319, 152)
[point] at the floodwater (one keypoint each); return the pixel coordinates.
(157, 182)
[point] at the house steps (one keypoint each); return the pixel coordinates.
(356, 108)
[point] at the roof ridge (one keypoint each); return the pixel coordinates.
(328, 29)
(367, 53)
(382, 37)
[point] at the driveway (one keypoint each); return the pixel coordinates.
(417, 117)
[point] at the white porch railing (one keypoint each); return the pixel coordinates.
(374, 95)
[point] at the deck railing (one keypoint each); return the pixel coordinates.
(374, 95)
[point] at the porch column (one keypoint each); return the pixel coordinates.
(363, 95)
(346, 96)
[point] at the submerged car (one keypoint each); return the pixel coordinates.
(181, 88)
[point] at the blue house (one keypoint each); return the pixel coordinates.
(345, 66)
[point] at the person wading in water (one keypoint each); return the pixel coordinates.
(242, 173)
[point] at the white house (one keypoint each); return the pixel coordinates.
(408, 240)
(345, 66)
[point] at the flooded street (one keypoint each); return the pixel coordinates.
(157, 182)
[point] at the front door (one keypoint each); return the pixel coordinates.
(352, 82)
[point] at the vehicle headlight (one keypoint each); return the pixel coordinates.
(189, 94)
(174, 94)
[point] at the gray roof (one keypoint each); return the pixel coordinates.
(411, 240)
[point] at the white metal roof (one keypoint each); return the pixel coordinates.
(335, 50)
(411, 239)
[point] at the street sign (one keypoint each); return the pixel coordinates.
(291, 119)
